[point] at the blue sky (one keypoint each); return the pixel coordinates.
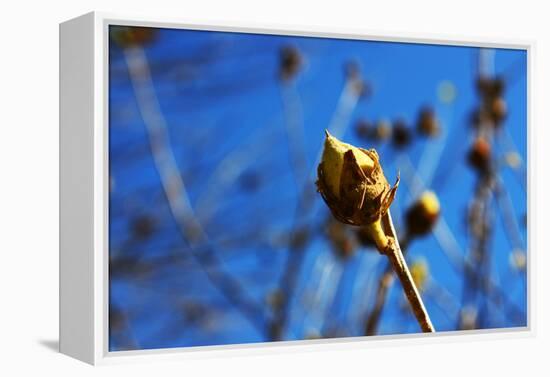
(219, 93)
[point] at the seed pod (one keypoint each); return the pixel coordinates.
(478, 117)
(489, 88)
(352, 70)
(130, 36)
(420, 272)
(423, 214)
(361, 88)
(383, 131)
(143, 227)
(479, 155)
(364, 129)
(446, 91)
(513, 160)
(352, 183)
(468, 318)
(427, 123)
(401, 135)
(498, 110)
(290, 62)
(518, 260)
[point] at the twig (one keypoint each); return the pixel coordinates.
(340, 120)
(508, 215)
(292, 107)
(175, 190)
(228, 170)
(399, 265)
(460, 264)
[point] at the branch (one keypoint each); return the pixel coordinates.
(399, 265)
(175, 190)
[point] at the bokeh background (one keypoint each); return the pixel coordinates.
(217, 234)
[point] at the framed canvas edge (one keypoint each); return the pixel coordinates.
(103, 356)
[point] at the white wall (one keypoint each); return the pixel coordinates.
(29, 188)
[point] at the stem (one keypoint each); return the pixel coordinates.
(176, 193)
(393, 251)
(337, 126)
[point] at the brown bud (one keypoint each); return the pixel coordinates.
(360, 87)
(479, 155)
(518, 260)
(513, 160)
(490, 87)
(143, 227)
(128, 36)
(427, 123)
(363, 129)
(352, 70)
(468, 318)
(373, 132)
(383, 131)
(420, 272)
(290, 62)
(498, 110)
(352, 183)
(423, 214)
(401, 135)
(478, 117)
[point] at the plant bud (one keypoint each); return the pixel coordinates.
(420, 273)
(427, 124)
(490, 87)
(352, 183)
(423, 214)
(383, 131)
(446, 91)
(143, 227)
(518, 260)
(401, 135)
(352, 69)
(129, 36)
(478, 117)
(290, 62)
(513, 160)
(363, 129)
(468, 318)
(361, 88)
(479, 156)
(498, 110)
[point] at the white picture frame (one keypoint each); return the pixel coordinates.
(84, 191)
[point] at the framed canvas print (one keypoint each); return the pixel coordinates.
(226, 188)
